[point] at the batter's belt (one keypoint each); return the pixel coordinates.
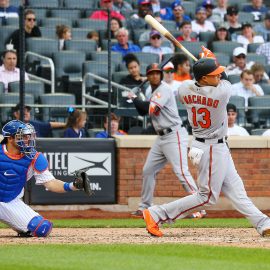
(165, 131)
(222, 140)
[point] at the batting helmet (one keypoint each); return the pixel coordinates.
(206, 66)
(154, 67)
(24, 135)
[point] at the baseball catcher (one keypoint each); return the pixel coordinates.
(19, 161)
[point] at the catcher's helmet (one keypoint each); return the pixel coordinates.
(154, 67)
(24, 135)
(206, 66)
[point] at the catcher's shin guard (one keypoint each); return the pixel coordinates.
(40, 227)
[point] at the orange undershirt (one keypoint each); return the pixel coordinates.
(181, 78)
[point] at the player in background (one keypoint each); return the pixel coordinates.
(171, 143)
(19, 161)
(206, 100)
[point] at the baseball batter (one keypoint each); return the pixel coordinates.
(170, 145)
(205, 100)
(19, 161)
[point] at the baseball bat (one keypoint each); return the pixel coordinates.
(160, 28)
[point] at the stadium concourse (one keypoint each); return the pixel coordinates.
(82, 48)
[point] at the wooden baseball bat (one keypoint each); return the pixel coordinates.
(160, 28)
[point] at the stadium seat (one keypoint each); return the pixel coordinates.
(257, 58)
(80, 33)
(92, 24)
(86, 46)
(135, 130)
(41, 13)
(223, 59)
(54, 112)
(15, 3)
(84, 4)
(245, 17)
(119, 75)
(70, 14)
(58, 132)
(43, 4)
(234, 78)
(193, 47)
(147, 58)
(43, 46)
(53, 22)
(252, 47)
(34, 88)
(12, 21)
(5, 32)
(104, 43)
(258, 131)
(206, 37)
(12, 99)
(69, 63)
(189, 8)
(225, 47)
(48, 32)
(266, 88)
(239, 103)
(259, 116)
(169, 25)
(2, 88)
(116, 57)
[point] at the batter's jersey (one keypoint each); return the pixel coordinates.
(206, 107)
(168, 116)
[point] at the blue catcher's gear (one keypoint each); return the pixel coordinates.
(24, 135)
(39, 227)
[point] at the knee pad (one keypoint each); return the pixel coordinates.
(39, 227)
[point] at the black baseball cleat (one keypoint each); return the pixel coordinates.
(266, 233)
(137, 214)
(25, 234)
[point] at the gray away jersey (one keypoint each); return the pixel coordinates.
(206, 107)
(168, 115)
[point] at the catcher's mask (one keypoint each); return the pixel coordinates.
(24, 135)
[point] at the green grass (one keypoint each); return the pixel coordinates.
(139, 223)
(129, 257)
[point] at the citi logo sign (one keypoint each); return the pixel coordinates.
(94, 163)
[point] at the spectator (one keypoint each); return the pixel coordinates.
(186, 31)
(145, 35)
(63, 33)
(137, 21)
(114, 127)
(221, 8)
(76, 124)
(233, 128)
(232, 18)
(264, 49)
(43, 129)
(246, 87)
(264, 29)
(209, 6)
(134, 78)
(201, 24)
(239, 62)
(168, 74)
(121, 6)
(31, 30)
(182, 67)
(93, 35)
(222, 34)
(155, 45)
(116, 24)
(7, 11)
(256, 8)
(179, 15)
(8, 71)
(123, 46)
(103, 14)
(156, 6)
(248, 36)
(260, 76)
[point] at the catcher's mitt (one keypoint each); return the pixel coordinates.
(82, 181)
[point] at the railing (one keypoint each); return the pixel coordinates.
(52, 68)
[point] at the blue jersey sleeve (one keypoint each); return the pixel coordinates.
(41, 163)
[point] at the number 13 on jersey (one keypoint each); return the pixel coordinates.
(206, 117)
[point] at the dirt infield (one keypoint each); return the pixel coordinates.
(217, 237)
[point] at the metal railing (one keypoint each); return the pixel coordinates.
(52, 68)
